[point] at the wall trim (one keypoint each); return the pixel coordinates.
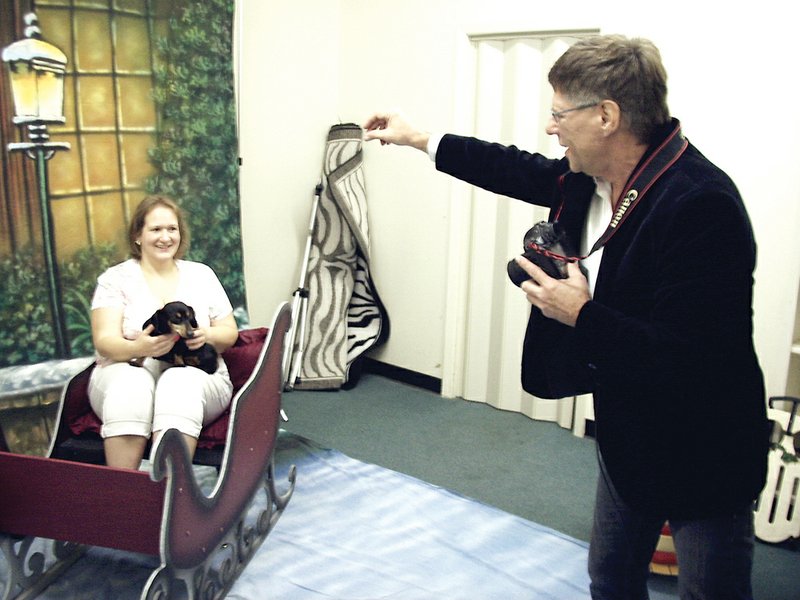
(427, 382)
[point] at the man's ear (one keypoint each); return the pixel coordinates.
(611, 116)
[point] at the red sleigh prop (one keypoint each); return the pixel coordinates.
(204, 542)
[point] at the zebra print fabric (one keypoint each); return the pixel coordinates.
(344, 316)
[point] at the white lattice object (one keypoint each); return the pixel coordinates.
(777, 515)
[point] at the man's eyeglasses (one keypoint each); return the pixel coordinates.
(557, 114)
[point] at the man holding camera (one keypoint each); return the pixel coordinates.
(660, 328)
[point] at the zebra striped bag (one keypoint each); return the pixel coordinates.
(345, 316)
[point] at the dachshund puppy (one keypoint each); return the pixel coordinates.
(177, 317)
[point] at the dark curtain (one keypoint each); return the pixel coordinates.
(19, 212)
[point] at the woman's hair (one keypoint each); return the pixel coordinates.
(139, 216)
(613, 67)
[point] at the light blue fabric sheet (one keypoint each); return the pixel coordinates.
(356, 531)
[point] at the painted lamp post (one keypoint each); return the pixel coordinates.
(36, 71)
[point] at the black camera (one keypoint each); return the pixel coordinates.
(546, 246)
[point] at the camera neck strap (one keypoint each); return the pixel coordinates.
(642, 179)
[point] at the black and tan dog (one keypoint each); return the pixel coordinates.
(177, 317)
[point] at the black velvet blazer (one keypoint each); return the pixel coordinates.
(665, 345)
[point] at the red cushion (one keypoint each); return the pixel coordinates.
(78, 413)
(242, 356)
(241, 360)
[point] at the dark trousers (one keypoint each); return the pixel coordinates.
(715, 555)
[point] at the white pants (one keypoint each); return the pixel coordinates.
(139, 400)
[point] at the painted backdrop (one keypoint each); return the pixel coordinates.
(149, 106)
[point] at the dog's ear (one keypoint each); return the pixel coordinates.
(152, 321)
(190, 314)
(162, 322)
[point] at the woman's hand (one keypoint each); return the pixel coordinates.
(157, 345)
(197, 340)
(111, 344)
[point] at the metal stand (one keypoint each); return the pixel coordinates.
(293, 349)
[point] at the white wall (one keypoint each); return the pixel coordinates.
(315, 62)
(288, 98)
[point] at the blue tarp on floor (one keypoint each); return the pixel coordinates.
(358, 531)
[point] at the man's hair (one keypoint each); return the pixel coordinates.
(138, 219)
(628, 71)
